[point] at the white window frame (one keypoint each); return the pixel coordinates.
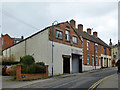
(96, 60)
(59, 34)
(74, 39)
(87, 45)
(96, 47)
(92, 60)
(67, 32)
(88, 59)
(99, 61)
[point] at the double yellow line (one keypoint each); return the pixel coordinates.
(98, 82)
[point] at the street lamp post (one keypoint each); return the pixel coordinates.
(52, 44)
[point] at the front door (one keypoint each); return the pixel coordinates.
(66, 65)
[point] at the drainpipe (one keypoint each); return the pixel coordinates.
(94, 57)
(25, 47)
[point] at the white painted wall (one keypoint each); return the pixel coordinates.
(59, 50)
(105, 60)
(36, 46)
(87, 67)
(16, 51)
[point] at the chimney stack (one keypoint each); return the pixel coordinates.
(95, 34)
(73, 23)
(22, 37)
(89, 30)
(80, 27)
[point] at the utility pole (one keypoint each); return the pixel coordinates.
(52, 44)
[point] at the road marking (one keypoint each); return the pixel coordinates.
(98, 82)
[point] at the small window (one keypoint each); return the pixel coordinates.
(88, 59)
(110, 52)
(67, 35)
(105, 50)
(87, 45)
(95, 48)
(96, 60)
(17, 41)
(58, 34)
(99, 61)
(74, 38)
(92, 60)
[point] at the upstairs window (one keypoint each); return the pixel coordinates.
(105, 50)
(92, 60)
(96, 60)
(95, 48)
(67, 35)
(87, 45)
(88, 59)
(109, 52)
(58, 34)
(74, 38)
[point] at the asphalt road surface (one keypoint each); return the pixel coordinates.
(83, 80)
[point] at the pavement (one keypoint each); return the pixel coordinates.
(7, 83)
(111, 82)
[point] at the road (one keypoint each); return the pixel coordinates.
(82, 80)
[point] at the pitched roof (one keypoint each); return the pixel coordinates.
(91, 38)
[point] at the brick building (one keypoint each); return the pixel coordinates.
(73, 49)
(115, 53)
(67, 48)
(96, 53)
(7, 41)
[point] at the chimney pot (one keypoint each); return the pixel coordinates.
(80, 27)
(95, 34)
(89, 30)
(22, 37)
(73, 23)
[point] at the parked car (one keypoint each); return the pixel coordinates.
(4, 69)
(7, 69)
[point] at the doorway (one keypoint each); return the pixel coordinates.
(76, 63)
(66, 65)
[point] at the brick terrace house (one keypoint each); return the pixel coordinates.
(70, 51)
(96, 53)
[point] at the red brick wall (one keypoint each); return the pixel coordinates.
(63, 41)
(7, 41)
(29, 76)
(100, 51)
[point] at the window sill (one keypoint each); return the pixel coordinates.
(59, 38)
(67, 40)
(75, 43)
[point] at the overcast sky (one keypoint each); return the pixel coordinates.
(20, 18)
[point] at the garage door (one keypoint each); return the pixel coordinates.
(75, 64)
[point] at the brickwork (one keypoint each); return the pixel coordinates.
(63, 27)
(100, 50)
(20, 76)
(18, 72)
(6, 41)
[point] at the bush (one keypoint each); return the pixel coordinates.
(27, 60)
(41, 63)
(39, 68)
